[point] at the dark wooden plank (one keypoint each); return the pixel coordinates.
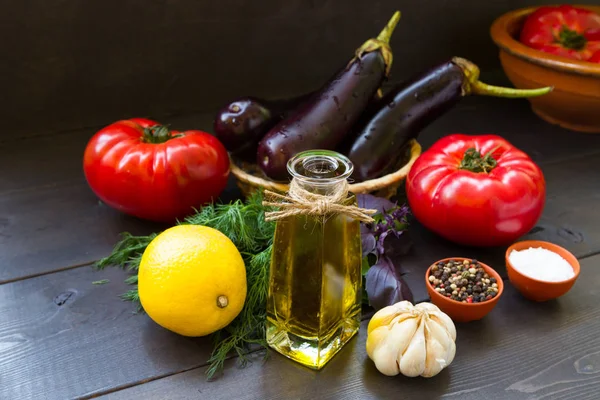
(522, 350)
(57, 227)
(91, 343)
(54, 228)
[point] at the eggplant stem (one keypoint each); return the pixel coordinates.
(386, 34)
(483, 89)
(381, 43)
(472, 84)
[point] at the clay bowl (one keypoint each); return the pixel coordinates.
(464, 312)
(575, 100)
(534, 289)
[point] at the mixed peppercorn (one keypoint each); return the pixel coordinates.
(465, 281)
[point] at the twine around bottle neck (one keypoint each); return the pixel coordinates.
(299, 201)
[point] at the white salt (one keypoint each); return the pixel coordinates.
(542, 264)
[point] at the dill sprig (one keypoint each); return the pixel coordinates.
(243, 222)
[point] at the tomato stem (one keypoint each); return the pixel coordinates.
(571, 39)
(473, 161)
(157, 134)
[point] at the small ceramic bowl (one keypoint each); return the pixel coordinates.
(535, 289)
(464, 312)
(575, 100)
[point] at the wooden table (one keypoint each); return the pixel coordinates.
(61, 337)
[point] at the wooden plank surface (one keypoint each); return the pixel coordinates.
(58, 227)
(522, 350)
(62, 337)
(50, 221)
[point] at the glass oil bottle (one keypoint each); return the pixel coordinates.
(314, 299)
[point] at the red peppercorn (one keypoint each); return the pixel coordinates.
(469, 299)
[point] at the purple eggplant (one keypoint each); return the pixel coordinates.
(410, 106)
(242, 123)
(323, 120)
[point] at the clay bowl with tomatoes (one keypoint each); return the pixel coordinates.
(558, 47)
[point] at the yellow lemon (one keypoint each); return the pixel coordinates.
(192, 280)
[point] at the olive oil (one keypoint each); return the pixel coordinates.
(314, 299)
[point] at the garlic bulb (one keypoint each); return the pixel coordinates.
(411, 340)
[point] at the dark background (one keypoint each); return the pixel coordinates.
(69, 64)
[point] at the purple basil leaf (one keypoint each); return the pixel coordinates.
(368, 239)
(368, 243)
(390, 219)
(381, 241)
(373, 202)
(384, 287)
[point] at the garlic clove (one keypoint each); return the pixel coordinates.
(439, 332)
(376, 339)
(434, 361)
(412, 361)
(450, 352)
(385, 359)
(436, 339)
(446, 322)
(402, 317)
(402, 333)
(385, 315)
(403, 306)
(427, 306)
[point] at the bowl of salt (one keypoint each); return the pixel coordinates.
(540, 270)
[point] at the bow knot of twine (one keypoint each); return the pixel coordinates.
(300, 201)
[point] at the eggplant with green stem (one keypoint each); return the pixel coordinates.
(323, 120)
(412, 105)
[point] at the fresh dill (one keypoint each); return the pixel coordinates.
(243, 222)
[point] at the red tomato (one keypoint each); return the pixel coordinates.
(476, 190)
(595, 58)
(141, 168)
(564, 30)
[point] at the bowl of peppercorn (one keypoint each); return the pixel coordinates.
(464, 288)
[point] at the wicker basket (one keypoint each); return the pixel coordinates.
(250, 177)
